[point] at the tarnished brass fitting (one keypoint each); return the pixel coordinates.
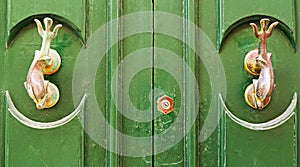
(165, 104)
(259, 63)
(46, 61)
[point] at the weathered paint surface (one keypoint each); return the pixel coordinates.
(226, 25)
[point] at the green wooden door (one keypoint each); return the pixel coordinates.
(123, 56)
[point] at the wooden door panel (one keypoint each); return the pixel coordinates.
(28, 146)
(234, 38)
(237, 143)
(241, 146)
(234, 48)
(33, 147)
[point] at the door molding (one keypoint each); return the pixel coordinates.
(271, 124)
(42, 125)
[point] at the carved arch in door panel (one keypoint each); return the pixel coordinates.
(13, 32)
(289, 32)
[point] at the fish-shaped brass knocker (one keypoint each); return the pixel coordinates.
(259, 63)
(46, 61)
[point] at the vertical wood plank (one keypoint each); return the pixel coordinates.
(98, 14)
(191, 98)
(114, 57)
(113, 104)
(2, 72)
(207, 23)
(183, 153)
(139, 90)
(168, 85)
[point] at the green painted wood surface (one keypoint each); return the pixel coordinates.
(167, 83)
(253, 148)
(140, 86)
(23, 146)
(99, 13)
(2, 100)
(239, 80)
(231, 13)
(27, 146)
(70, 146)
(74, 12)
(183, 153)
(242, 147)
(276, 147)
(207, 23)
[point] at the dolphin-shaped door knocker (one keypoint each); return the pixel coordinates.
(259, 63)
(46, 61)
(258, 94)
(44, 93)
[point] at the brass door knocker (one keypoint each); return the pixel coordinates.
(46, 61)
(259, 63)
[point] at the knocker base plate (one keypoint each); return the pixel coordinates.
(53, 95)
(251, 99)
(250, 64)
(55, 63)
